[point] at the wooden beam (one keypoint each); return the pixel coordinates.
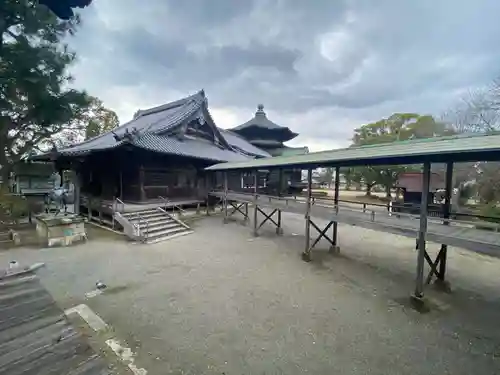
(446, 216)
(255, 208)
(419, 287)
(306, 255)
(335, 247)
(142, 191)
(225, 197)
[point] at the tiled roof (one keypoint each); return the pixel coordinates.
(260, 120)
(193, 148)
(150, 126)
(36, 337)
(437, 150)
(239, 142)
(154, 120)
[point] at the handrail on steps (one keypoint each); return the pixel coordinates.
(174, 218)
(114, 209)
(142, 219)
(172, 204)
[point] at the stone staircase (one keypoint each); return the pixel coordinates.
(152, 225)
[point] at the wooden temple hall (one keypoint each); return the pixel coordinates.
(160, 156)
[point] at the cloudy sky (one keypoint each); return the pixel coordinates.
(320, 67)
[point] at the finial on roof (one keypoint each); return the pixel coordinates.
(260, 110)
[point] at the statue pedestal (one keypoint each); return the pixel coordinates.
(60, 230)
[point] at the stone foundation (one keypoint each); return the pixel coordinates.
(60, 230)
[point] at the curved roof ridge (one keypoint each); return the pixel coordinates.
(164, 107)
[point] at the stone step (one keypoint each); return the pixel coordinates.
(164, 233)
(151, 220)
(151, 226)
(161, 228)
(178, 234)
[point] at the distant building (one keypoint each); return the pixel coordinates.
(268, 136)
(271, 137)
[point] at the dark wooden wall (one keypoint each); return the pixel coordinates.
(137, 175)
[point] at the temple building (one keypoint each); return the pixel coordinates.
(270, 137)
(161, 155)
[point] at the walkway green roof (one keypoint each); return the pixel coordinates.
(460, 148)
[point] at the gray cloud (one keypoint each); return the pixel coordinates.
(322, 67)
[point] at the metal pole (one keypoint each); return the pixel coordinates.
(255, 203)
(446, 216)
(306, 255)
(419, 287)
(335, 247)
(225, 197)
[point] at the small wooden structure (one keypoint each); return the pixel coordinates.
(410, 183)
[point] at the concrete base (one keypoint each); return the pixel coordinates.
(60, 230)
(279, 231)
(421, 304)
(255, 234)
(225, 220)
(442, 286)
(306, 257)
(334, 250)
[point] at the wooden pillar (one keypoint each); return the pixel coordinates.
(279, 228)
(306, 255)
(335, 248)
(77, 192)
(61, 177)
(255, 184)
(446, 217)
(419, 287)
(121, 184)
(224, 202)
(142, 178)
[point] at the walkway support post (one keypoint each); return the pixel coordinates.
(419, 287)
(246, 213)
(279, 229)
(334, 249)
(255, 208)
(225, 198)
(306, 255)
(440, 282)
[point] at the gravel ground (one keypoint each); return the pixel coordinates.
(222, 302)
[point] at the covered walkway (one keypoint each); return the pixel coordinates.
(446, 231)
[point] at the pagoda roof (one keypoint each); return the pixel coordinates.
(157, 129)
(261, 121)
